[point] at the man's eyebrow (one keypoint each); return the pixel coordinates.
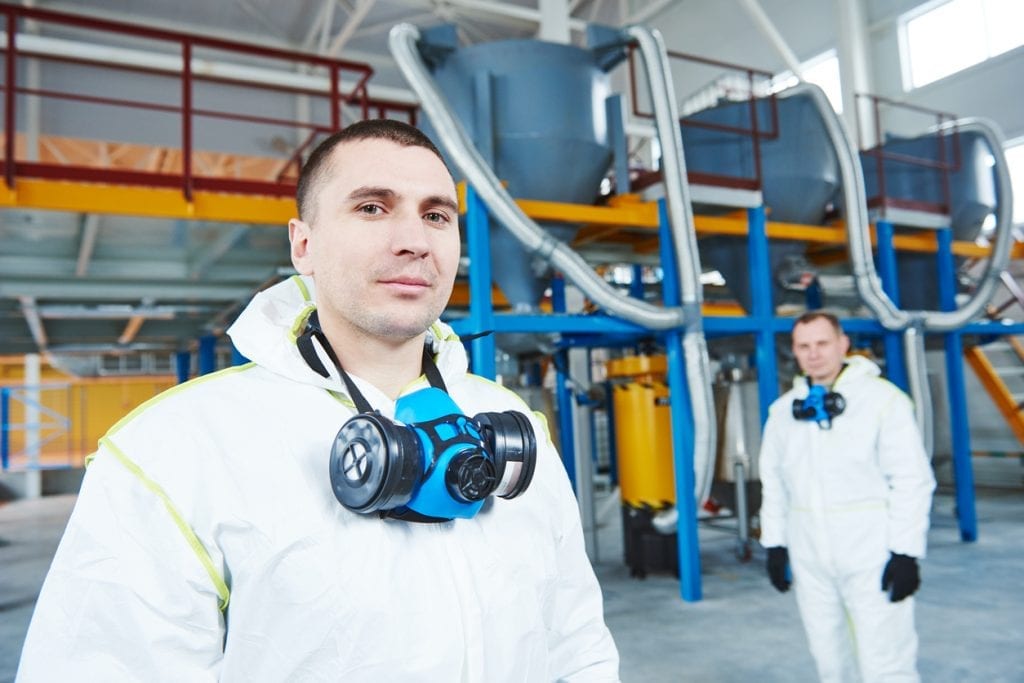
(443, 202)
(367, 192)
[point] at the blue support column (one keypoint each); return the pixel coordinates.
(563, 393)
(963, 471)
(481, 307)
(613, 447)
(681, 412)
(5, 428)
(207, 354)
(564, 400)
(636, 285)
(183, 365)
(895, 362)
(763, 311)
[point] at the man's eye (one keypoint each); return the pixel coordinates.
(435, 217)
(370, 209)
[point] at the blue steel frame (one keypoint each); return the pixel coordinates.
(605, 331)
(963, 469)
(681, 416)
(956, 384)
(895, 362)
(5, 429)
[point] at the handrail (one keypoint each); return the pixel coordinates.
(755, 132)
(403, 39)
(339, 81)
(880, 154)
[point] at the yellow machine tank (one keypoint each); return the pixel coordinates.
(643, 431)
(643, 444)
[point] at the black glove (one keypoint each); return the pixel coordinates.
(902, 574)
(778, 561)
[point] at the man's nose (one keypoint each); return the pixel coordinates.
(409, 235)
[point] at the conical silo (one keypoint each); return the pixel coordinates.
(799, 176)
(536, 111)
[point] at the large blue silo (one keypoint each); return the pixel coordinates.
(799, 175)
(536, 112)
(916, 172)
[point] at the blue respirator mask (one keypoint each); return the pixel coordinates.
(820, 405)
(438, 464)
(432, 463)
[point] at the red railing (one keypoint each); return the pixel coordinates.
(754, 131)
(354, 75)
(945, 163)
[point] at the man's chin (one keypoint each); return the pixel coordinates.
(400, 328)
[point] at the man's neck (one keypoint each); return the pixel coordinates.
(389, 365)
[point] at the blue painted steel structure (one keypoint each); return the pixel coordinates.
(182, 365)
(763, 312)
(963, 470)
(605, 331)
(681, 413)
(207, 354)
(895, 363)
(5, 430)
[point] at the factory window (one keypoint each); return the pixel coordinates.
(941, 38)
(823, 71)
(1015, 160)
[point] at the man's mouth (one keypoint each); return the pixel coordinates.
(406, 283)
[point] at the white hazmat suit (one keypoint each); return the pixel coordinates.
(207, 544)
(841, 500)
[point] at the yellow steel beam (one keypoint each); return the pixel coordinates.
(996, 388)
(58, 195)
(628, 211)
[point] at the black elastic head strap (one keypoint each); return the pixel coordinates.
(308, 353)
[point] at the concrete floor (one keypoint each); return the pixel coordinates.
(970, 609)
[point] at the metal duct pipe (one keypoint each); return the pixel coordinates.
(684, 239)
(537, 241)
(920, 389)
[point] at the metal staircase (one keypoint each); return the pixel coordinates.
(1000, 365)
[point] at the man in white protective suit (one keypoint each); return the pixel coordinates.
(846, 496)
(352, 505)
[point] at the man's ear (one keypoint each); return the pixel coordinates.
(300, 237)
(845, 342)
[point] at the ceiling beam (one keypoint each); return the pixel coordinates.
(89, 232)
(647, 12)
(131, 329)
(34, 322)
(261, 18)
(119, 290)
(505, 11)
(213, 253)
(354, 20)
(320, 29)
(117, 311)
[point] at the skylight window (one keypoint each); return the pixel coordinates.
(940, 39)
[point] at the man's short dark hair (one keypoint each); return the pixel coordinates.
(811, 316)
(317, 165)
